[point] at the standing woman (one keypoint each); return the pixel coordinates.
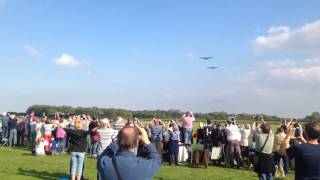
(173, 145)
(187, 118)
(77, 148)
(264, 145)
(47, 128)
(156, 129)
(94, 136)
(106, 134)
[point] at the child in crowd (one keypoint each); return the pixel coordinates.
(41, 143)
(53, 147)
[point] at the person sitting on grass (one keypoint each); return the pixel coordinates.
(119, 160)
(40, 144)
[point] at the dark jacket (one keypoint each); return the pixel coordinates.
(77, 140)
(130, 166)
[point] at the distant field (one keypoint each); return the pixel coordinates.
(19, 164)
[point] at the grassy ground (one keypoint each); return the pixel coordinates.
(20, 164)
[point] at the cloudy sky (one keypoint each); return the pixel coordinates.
(145, 55)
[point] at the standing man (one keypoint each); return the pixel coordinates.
(119, 160)
(306, 155)
(12, 125)
(5, 130)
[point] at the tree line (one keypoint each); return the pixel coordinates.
(148, 114)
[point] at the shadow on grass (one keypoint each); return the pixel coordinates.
(41, 174)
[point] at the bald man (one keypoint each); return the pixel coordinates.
(120, 161)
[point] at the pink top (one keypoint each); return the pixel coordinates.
(187, 121)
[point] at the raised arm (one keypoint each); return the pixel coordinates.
(285, 143)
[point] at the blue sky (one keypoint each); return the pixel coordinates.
(145, 55)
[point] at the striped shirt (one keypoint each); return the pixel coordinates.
(106, 137)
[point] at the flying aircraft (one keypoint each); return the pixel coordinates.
(212, 67)
(206, 58)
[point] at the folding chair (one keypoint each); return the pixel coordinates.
(4, 143)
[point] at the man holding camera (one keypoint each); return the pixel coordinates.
(119, 160)
(307, 156)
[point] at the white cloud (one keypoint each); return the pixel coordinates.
(67, 60)
(306, 71)
(305, 38)
(279, 63)
(32, 50)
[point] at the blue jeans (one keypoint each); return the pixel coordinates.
(12, 137)
(33, 140)
(5, 132)
(265, 176)
(76, 162)
(61, 144)
(94, 145)
(187, 132)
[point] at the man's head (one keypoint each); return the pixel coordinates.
(208, 121)
(312, 130)
(265, 128)
(128, 138)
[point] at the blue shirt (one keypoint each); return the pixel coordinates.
(53, 145)
(174, 135)
(130, 166)
(307, 158)
(156, 133)
(5, 120)
(12, 124)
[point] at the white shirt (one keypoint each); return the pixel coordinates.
(233, 133)
(245, 137)
(40, 148)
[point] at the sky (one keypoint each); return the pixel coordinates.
(146, 55)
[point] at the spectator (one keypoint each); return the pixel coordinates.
(106, 134)
(77, 148)
(278, 138)
(306, 155)
(119, 160)
(187, 118)
(233, 137)
(40, 144)
(21, 128)
(5, 130)
(33, 132)
(264, 145)
(53, 146)
(94, 136)
(173, 145)
(245, 132)
(12, 126)
(118, 123)
(156, 129)
(47, 132)
(61, 135)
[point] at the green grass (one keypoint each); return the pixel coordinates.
(20, 164)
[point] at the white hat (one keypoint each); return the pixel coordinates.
(105, 121)
(4, 113)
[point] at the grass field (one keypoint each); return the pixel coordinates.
(20, 164)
